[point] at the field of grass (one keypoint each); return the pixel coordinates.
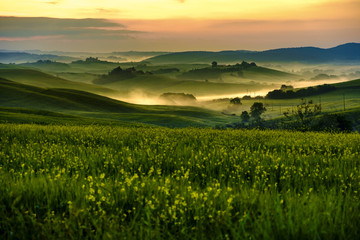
(116, 182)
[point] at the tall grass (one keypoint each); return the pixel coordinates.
(103, 182)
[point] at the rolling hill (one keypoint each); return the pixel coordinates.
(76, 103)
(41, 79)
(20, 95)
(349, 52)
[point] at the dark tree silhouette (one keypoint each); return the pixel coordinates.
(214, 64)
(235, 101)
(304, 114)
(245, 117)
(256, 110)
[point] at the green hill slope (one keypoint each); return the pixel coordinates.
(16, 94)
(41, 79)
(348, 84)
(350, 88)
(98, 108)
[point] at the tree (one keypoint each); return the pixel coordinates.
(304, 114)
(214, 64)
(256, 110)
(235, 101)
(245, 117)
(247, 97)
(285, 88)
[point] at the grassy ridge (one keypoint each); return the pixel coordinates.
(16, 94)
(41, 79)
(141, 183)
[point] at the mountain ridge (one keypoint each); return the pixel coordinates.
(341, 53)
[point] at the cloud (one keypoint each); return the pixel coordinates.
(28, 27)
(36, 38)
(181, 1)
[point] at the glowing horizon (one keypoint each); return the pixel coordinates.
(177, 25)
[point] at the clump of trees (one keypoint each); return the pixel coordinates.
(45, 61)
(247, 97)
(118, 74)
(90, 60)
(303, 115)
(254, 117)
(235, 101)
(307, 117)
(285, 88)
(285, 92)
(215, 71)
(256, 110)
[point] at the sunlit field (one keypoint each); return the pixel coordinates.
(103, 182)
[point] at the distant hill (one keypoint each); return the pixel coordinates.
(13, 56)
(242, 71)
(22, 57)
(48, 65)
(349, 52)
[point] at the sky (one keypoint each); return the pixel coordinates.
(176, 25)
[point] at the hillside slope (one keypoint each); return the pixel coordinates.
(96, 107)
(41, 79)
(20, 95)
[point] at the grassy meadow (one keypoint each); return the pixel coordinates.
(138, 182)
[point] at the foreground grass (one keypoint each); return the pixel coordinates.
(104, 182)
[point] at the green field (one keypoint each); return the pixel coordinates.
(116, 182)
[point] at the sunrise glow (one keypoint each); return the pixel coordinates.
(178, 24)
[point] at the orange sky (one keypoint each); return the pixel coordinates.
(178, 25)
